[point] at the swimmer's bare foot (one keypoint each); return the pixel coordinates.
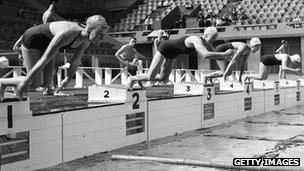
(19, 91)
(140, 84)
(60, 93)
(208, 81)
(39, 89)
(48, 91)
(129, 83)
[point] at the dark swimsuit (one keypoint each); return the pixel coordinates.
(170, 49)
(39, 37)
(270, 60)
(224, 47)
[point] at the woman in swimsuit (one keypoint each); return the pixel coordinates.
(40, 44)
(284, 60)
(241, 55)
(166, 53)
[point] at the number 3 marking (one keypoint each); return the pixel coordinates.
(208, 93)
(187, 88)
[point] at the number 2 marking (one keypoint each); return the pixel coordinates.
(106, 94)
(135, 104)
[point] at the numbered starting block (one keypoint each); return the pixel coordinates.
(231, 86)
(288, 83)
(300, 82)
(13, 113)
(188, 88)
(194, 88)
(258, 84)
(114, 93)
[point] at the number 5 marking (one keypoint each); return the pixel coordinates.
(276, 86)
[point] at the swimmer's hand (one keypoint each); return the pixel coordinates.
(225, 75)
(299, 72)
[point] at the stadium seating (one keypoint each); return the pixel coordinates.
(158, 9)
(257, 12)
(272, 11)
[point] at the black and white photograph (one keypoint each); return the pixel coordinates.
(151, 85)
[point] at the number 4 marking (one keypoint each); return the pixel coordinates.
(247, 89)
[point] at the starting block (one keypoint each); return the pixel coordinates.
(188, 88)
(195, 88)
(12, 110)
(288, 83)
(258, 84)
(114, 93)
(231, 86)
(300, 82)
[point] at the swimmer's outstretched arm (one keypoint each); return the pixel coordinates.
(75, 62)
(202, 50)
(243, 66)
(52, 50)
(284, 67)
(242, 48)
(282, 74)
(280, 49)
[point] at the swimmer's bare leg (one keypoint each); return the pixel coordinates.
(150, 75)
(2, 90)
(140, 67)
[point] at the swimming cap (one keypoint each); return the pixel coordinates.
(254, 41)
(210, 30)
(296, 58)
(96, 21)
(3, 62)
